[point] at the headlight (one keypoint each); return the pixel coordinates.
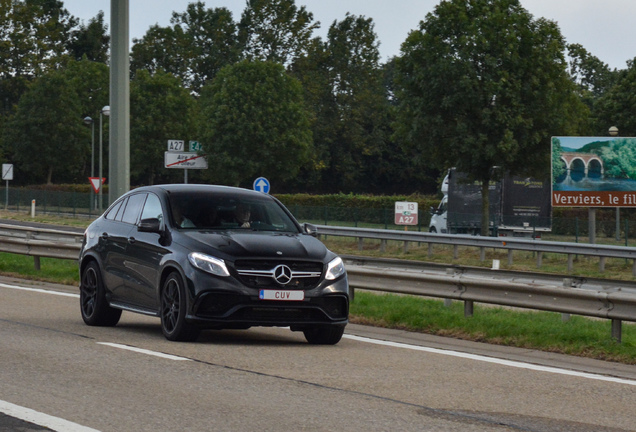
(208, 264)
(335, 269)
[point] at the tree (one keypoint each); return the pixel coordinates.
(33, 40)
(90, 81)
(160, 109)
(275, 30)
(617, 106)
(482, 84)
(254, 123)
(45, 136)
(212, 39)
(91, 40)
(344, 85)
(197, 45)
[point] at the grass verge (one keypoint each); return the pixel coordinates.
(544, 331)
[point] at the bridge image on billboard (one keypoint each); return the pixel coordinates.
(593, 172)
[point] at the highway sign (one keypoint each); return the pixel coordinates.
(405, 213)
(195, 146)
(175, 145)
(261, 184)
(7, 171)
(187, 160)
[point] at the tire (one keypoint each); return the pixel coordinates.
(324, 335)
(174, 310)
(432, 230)
(93, 304)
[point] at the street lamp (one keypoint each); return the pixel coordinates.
(90, 121)
(613, 131)
(104, 112)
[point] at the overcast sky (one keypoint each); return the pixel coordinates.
(605, 28)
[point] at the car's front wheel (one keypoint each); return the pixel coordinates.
(174, 310)
(93, 303)
(324, 335)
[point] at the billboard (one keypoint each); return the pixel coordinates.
(593, 172)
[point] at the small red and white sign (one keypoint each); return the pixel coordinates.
(185, 160)
(405, 213)
(284, 295)
(96, 183)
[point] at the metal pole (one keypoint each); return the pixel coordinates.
(93, 158)
(99, 199)
(592, 225)
(119, 151)
(618, 224)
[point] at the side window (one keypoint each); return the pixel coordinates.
(152, 208)
(120, 211)
(133, 208)
(113, 211)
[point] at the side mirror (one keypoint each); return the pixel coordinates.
(310, 229)
(150, 225)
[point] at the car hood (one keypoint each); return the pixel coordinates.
(232, 245)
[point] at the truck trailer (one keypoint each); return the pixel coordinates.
(518, 206)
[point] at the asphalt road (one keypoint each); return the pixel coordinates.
(58, 374)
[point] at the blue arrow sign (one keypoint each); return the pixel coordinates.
(261, 184)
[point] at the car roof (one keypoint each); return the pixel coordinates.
(179, 187)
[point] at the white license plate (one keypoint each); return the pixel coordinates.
(285, 295)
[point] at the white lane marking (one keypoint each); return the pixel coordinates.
(39, 290)
(41, 419)
(144, 351)
(495, 360)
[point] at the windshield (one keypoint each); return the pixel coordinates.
(205, 210)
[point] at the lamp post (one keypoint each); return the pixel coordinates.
(90, 121)
(613, 131)
(104, 112)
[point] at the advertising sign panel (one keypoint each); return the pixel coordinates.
(593, 172)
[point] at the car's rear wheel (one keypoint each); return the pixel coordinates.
(93, 303)
(174, 310)
(324, 335)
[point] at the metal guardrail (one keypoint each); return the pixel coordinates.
(40, 242)
(509, 244)
(614, 300)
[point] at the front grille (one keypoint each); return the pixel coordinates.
(237, 307)
(305, 275)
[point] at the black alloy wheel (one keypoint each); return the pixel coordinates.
(93, 303)
(174, 309)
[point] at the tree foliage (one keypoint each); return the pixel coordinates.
(160, 109)
(197, 45)
(33, 39)
(617, 106)
(344, 87)
(481, 85)
(254, 123)
(45, 135)
(90, 40)
(275, 30)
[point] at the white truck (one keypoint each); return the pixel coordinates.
(519, 206)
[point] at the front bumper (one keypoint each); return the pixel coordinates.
(229, 304)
